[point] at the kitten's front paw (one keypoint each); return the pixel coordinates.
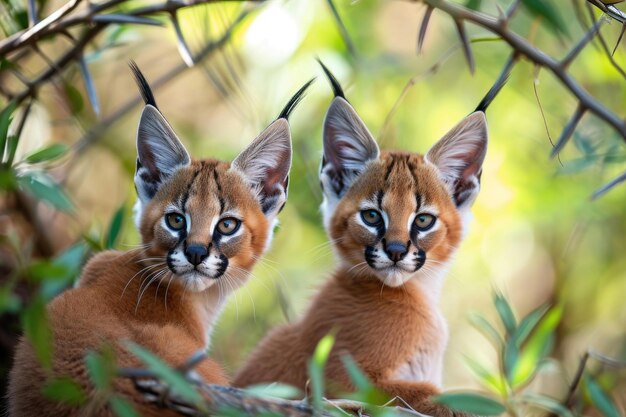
(159, 394)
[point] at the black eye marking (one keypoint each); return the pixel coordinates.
(418, 201)
(379, 199)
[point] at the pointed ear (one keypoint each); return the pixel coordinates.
(459, 156)
(265, 164)
(348, 147)
(159, 153)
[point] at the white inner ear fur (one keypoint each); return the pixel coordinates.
(158, 138)
(264, 153)
(345, 138)
(449, 154)
(156, 133)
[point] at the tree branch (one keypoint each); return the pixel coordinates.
(524, 48)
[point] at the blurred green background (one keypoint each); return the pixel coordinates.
(536, 234)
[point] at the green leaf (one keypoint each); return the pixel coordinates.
(471, 402)
(505, 312)
(101, 367)
(528, 324)
(5, 121)
(575, 166)
(546, 403)
(536, 348)
(7, 179)
(65, 390)
(490, 380)
(365, 391)
(121, 407)
(11, 148)
(40, 271)
(72, 259)
(115, 227)
(35, 324)
(74, 99)
(59, 273)
(43, 188)
(600, 398)
(473, 4)
(583, 144)
(482, 325)
(277, 390)
(316, 368)
(357, 377)
(511, 357)
(9, 302)
(48, 153)
(546, 10)
(176, 381)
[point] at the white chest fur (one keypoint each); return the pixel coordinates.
(426, 362)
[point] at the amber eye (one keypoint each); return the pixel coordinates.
(175, 221)
(228, 226)
(424, 221)
(371, 217)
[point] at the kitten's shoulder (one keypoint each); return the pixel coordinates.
(103, 263)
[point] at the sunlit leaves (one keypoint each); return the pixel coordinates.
(316, 368)
(471, 402)
(536, 348)
(521, 352)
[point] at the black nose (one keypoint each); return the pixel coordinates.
(396, 251)
(196, 254)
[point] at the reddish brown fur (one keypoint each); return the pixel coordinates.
(118, 300)
(381, 327)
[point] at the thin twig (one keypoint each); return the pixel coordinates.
(604, 45)
(96, 131)
(342, 29)
(537, 56)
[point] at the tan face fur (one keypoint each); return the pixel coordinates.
(206, 222)
(219, 212)
(415, 227)
(397, 216)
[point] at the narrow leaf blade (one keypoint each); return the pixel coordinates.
(471, 402)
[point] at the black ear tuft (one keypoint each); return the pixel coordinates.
(142, 83)
(337, 90)
(495, 89)
(293, 102)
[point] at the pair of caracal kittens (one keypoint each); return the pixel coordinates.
(395, 220)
